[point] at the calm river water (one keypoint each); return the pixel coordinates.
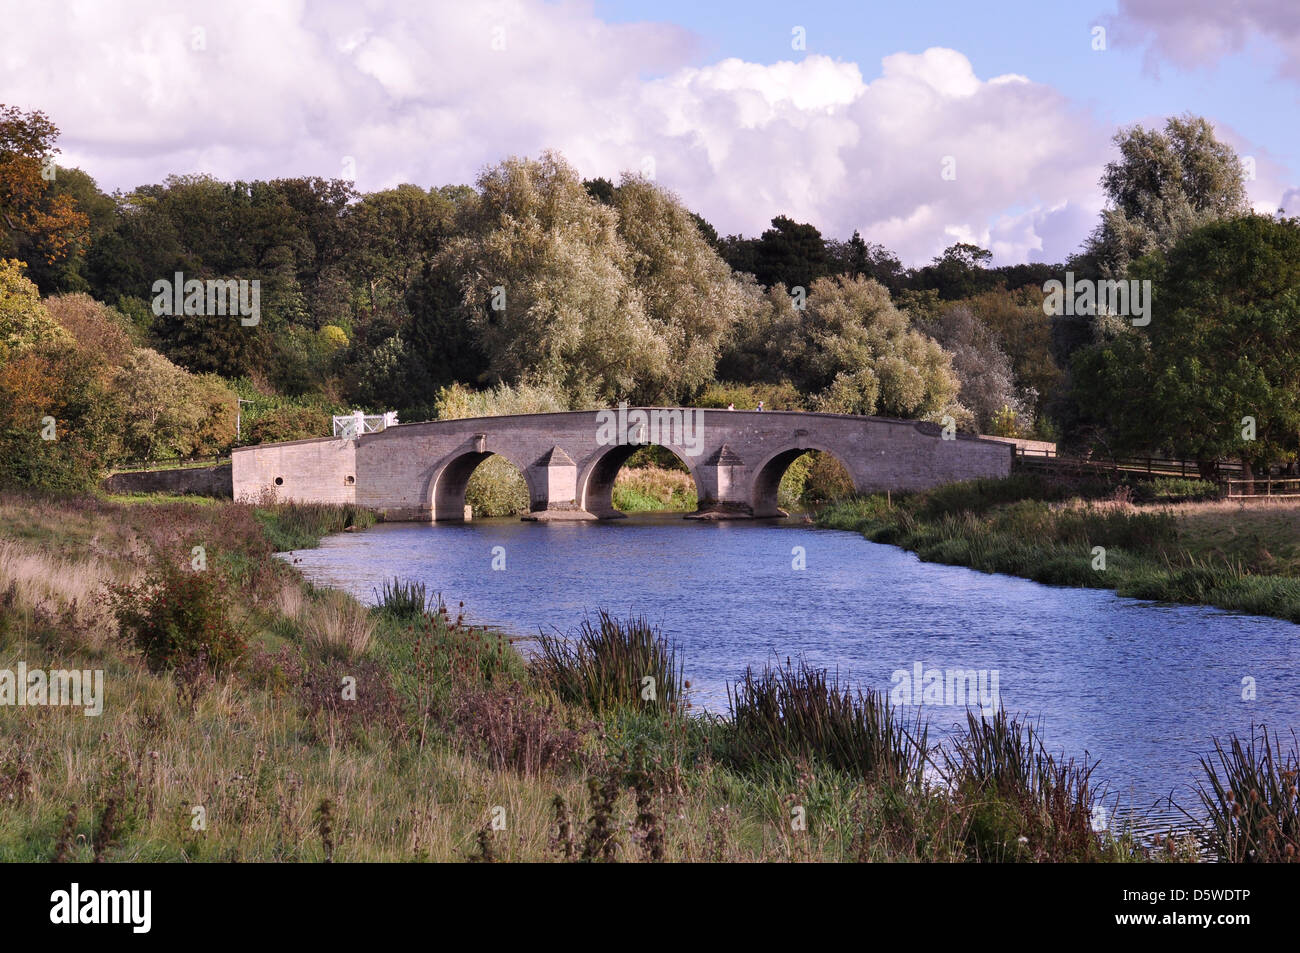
(1139, 686)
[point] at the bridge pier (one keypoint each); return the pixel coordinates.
(722, 487)
(554, 482)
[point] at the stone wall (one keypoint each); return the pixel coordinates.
(198, 481)
(322, 470)
(1038, 448)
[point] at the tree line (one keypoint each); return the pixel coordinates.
(584, 292)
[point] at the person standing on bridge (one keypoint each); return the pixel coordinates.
(731, 406)
(760, 406)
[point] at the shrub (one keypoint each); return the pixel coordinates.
(979, 496)
(176, 617)
(1178, 489)
(288, 423)
(497, 488)
(814, 478)
(780, 396)
(513, 731)
(374, 706)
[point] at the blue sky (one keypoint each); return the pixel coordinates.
(919, 124)
(1049, 42)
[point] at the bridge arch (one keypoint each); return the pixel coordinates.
(766, 483)
(450, 477)
(596, 480)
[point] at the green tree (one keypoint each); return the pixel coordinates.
(790, 253)
(690, 296)
(961, 271)
(155, 416)
(544, 281)
(852, 350)
(1223, 346)
(1164, 185)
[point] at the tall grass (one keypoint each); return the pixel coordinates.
(403, 599)
(1250, 798)
(291, 526)
(607, 665)
(648, 488)
(1021, 802)
(1030, 527)
(786, 714)
(336, 625)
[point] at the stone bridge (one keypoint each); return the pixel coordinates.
(569, 460)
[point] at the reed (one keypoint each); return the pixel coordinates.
(1194, 552)
(1020, 802)
(291, 526)
(788, 713)
(403, 599)
(608, 664)
(1250, 798)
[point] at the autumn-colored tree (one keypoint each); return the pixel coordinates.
(36, 221)
(99, 330)
(24, 320)
(56, 419)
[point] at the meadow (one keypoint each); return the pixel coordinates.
(249, 716)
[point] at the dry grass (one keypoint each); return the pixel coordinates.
(289, 599)
(61, 588)
(335, 624)
(261, 748)
(1260, 535)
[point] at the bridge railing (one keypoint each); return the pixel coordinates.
(356, 423)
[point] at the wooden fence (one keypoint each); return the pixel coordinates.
(1231, 484)
(170, 463)
(1251, 489)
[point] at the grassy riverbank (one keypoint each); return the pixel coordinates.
(1242, 556)
(241, 741)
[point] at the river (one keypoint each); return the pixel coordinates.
(1140, 687)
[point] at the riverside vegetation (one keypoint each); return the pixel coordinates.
(230, 732)
(1164, 540)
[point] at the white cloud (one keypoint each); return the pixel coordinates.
(418, 93)
(1198, 33)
